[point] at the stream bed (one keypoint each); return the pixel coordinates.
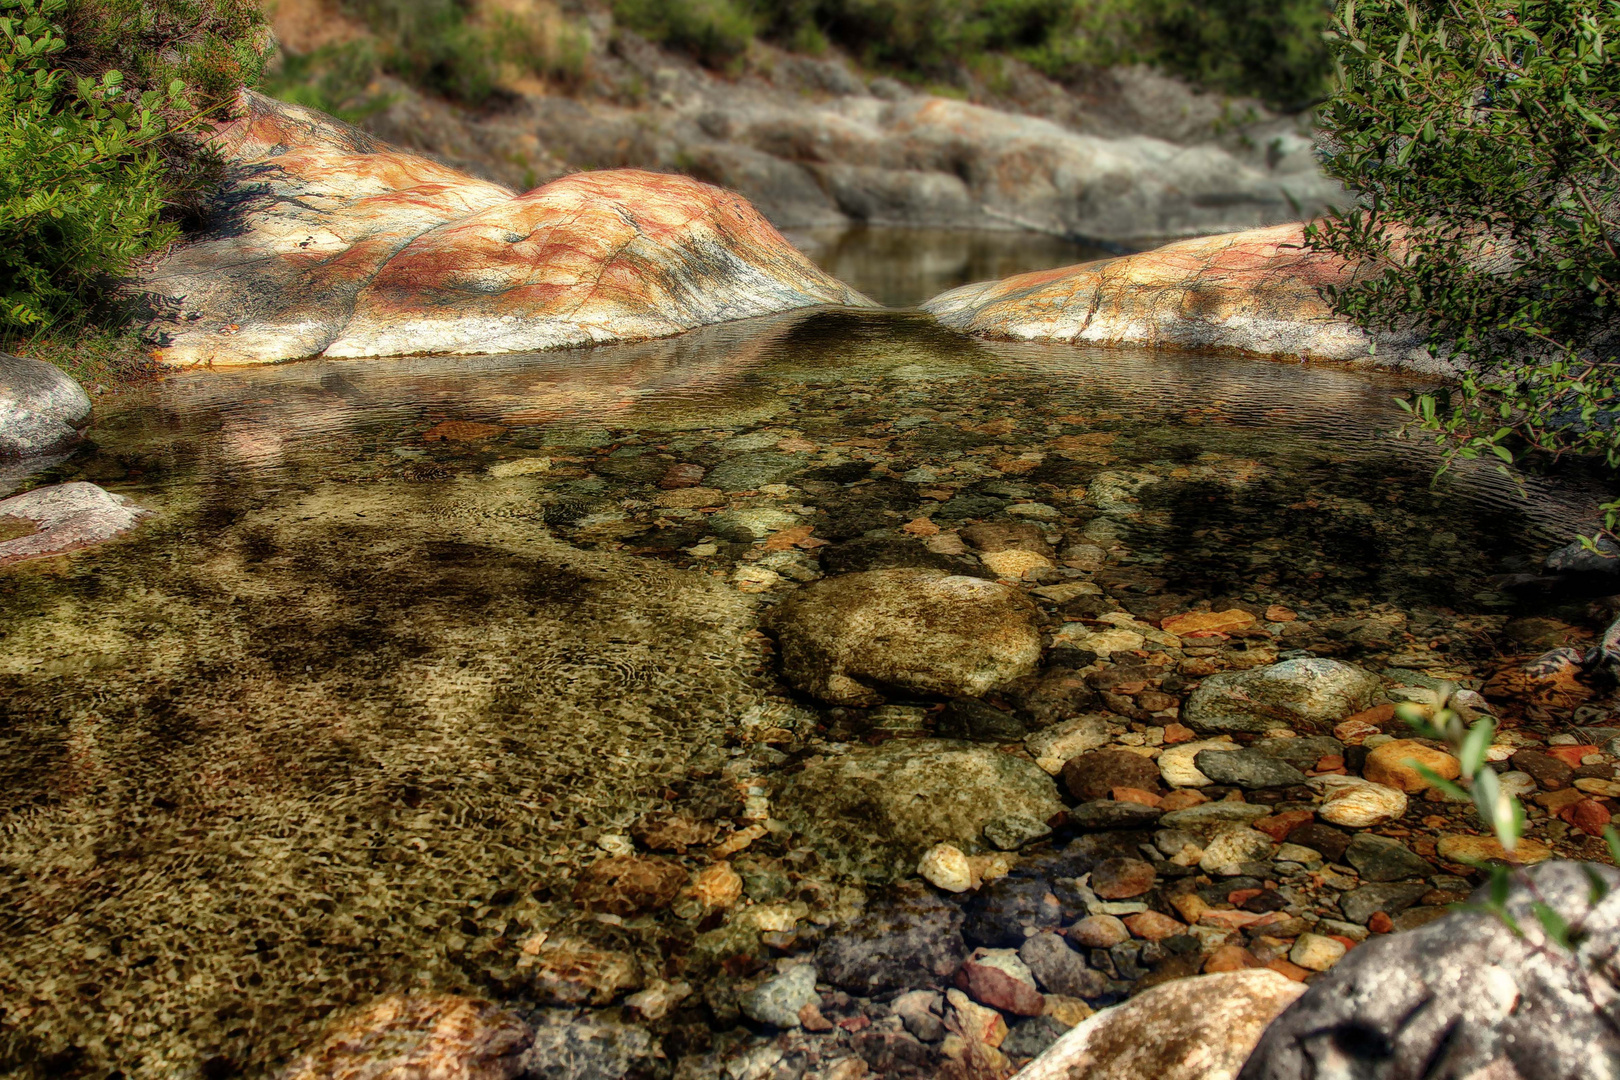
(412, 645)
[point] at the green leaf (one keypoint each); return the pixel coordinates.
(1555, 925)
(1597, 888)
(1436, 780)
(1501, 885)
(1472, 753)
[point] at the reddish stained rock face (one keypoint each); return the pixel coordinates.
(327, 242)
(1252, 292)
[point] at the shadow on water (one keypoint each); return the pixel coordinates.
(409, 637)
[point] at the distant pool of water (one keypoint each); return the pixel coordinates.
(411, 640)
(901, 268)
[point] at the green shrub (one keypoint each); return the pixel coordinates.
(333, 78)
(212, 46)
(1484, 139)
(1273, 49)
(82, 185)
(717, 32)
(1270, 49)
(441, 46)
(433, 45)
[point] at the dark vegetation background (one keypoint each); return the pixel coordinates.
(1271, 50)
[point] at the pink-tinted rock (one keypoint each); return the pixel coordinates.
(327, 242)
(65, 517)
(993, 987)
(1153, 926)
(1121, 879)
(1252, 292)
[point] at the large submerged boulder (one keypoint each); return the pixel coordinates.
(328, 242)
(1308, 693)
(873, 811)
(1256, 292)
(845, 638)
(1466, 996)
(42, 410)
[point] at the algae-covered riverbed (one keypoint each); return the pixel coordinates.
(412, 644)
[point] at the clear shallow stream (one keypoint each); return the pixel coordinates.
(350, 713)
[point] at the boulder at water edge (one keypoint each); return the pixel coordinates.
(874, 810)
(327, 242)
(1200, 1028)
(925, 631)
(42, 410)
(63, 518)
(1465, 997)
(1252, 292)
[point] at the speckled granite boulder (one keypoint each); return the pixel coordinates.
(1254, 292)
(64, 517)
(42, 409)
(845, 638)
(327, 242)
(1465, 997)
(1308, 694)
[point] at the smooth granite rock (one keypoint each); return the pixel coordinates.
(1464, 997)
(1200, 1028)
(1252, 292)
(42, 410)
(327, 242)
(1250, 769)
(65, 517)
(568, 1046)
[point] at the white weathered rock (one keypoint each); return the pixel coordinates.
(1178, 766)
(1232, 846)
(1360, 804)
(945, 867)
(66, 517)
(1466, 990)
(1201, 1028)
